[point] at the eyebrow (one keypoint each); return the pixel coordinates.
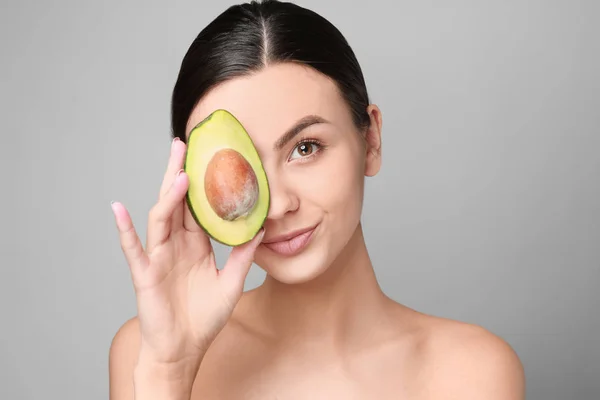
(298, 127)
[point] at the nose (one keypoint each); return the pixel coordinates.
(283, 198)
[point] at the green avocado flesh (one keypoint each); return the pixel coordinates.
(221, 137)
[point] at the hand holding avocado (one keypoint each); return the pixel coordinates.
(183, 300)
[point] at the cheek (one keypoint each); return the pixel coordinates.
(335, 182)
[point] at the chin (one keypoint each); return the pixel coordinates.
(301, 266)
(296, 273)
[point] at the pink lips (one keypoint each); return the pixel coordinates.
(291, 244)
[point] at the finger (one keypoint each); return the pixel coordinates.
(174, 164)
(189, 222)
(130, 241)
(238, 265)
(159, 221)
(183, 216)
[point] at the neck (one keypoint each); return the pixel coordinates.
(340, 307)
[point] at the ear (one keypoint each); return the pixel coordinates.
(373, 141)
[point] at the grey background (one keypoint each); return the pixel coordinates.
(487, 209)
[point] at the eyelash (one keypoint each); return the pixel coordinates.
(308, 141)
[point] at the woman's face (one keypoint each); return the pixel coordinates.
(315, 173)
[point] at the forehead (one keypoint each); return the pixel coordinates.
(271, 100)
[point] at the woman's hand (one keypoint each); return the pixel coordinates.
(183, 300)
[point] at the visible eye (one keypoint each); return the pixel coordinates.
(305, 149)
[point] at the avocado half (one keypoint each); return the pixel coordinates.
(228, 193)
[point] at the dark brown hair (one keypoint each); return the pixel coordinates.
(247, 37)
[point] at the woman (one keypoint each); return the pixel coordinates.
(319, 327)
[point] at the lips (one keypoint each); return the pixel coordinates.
(291, 243)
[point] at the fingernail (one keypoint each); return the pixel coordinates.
(175, 140)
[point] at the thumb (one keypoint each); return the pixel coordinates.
(238, 265)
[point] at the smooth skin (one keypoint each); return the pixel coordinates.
(319, 327)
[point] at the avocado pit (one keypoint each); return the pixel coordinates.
(230, 184)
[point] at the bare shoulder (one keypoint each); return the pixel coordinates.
(467, 361)
(123, 353)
